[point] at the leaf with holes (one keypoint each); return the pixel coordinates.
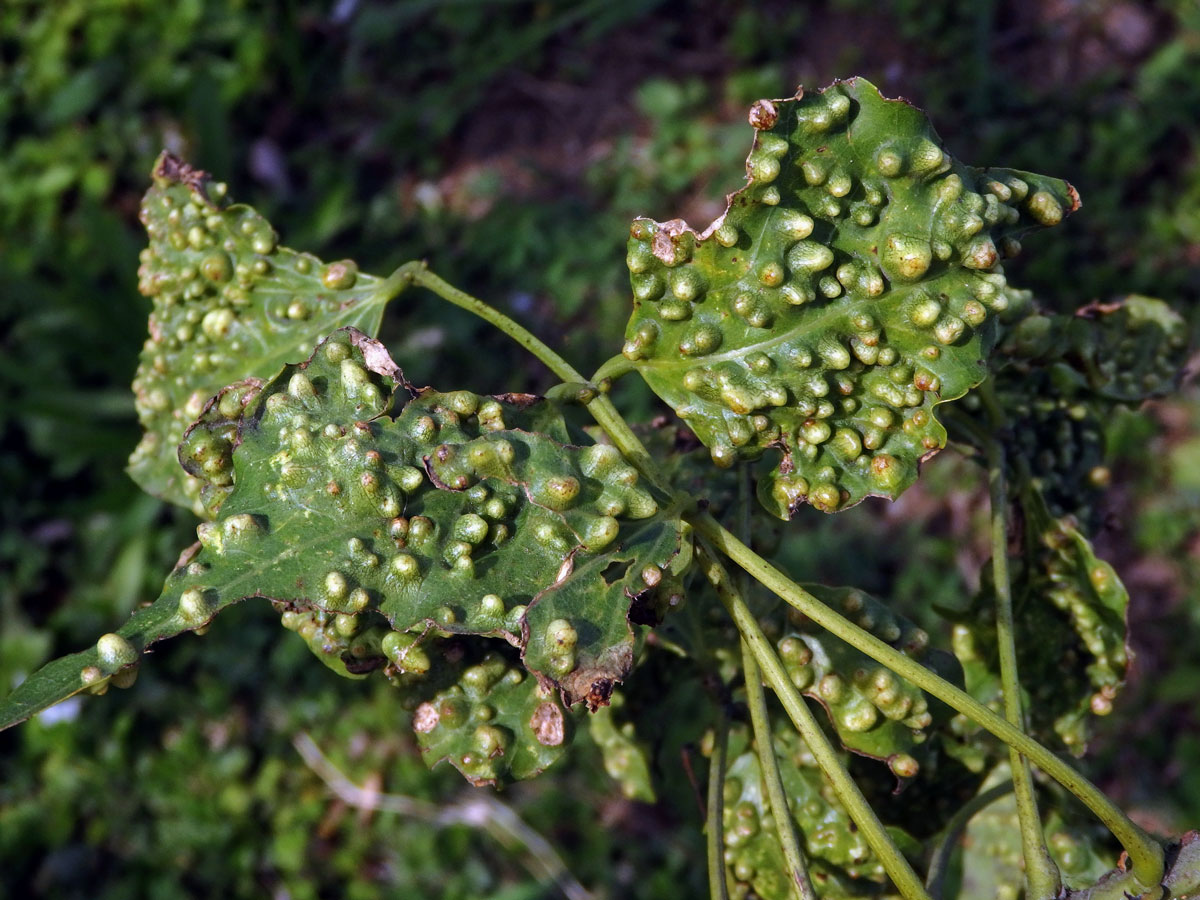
(848, 289)
(228, 303)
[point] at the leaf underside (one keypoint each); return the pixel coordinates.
(228, 303)
(849, 288)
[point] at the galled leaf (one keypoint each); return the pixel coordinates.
(848, 289)
(873, 711)
(1069, 608)
(228, 303)
(841, 863)
(449, 519)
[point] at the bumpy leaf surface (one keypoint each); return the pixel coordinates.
(452, 518)
(848, 289)
(625, 759)
(874, 712)
(1070, 609)
(991, 865)
(228, 303)
(841, 863)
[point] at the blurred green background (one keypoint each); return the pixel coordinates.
(509, 143)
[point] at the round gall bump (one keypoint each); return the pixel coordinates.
(815, 431)
(793, 224)
(471, 528)
(405, 567)
(762, 168)
(905, 257)
(217, 267)
(925, 312)
(336, 587)
(726, 234)
(339, 276)
(763, 115)
(948, 329)
(115, 652)
(723, 455)
(809, 256)
(600, 532)
(686, 284)
(981, 253)
(886, 472)
(861, 717)
(194, 607)
(1045, 209)
(771, 274)
(647, 287)
(700, 339)
(889, 162)
(903, 765)
(90, 675)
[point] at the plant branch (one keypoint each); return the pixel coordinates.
(477, 810)
(954, 829)
(1042, 878)
(612, 369)
(714, 825)
(1145, 852)
(785, 825)
(843, 785)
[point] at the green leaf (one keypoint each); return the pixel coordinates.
(449, 519)
(229, 303)
(1122, 352)
(841, 863)
(848, 289)
(1070, 608)
(874, 712)
(991, 852)
(495, 722)
(625, 759)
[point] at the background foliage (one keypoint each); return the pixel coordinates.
(510, 143)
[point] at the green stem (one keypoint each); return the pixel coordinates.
(760, 721)
(843, 785)
(954, 828)
(785, 825)
(418, 273)
(1042, 878)
(1145, 853)
(714, 826)
(614, 368)
(600, 407)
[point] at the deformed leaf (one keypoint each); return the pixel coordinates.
(229, 303)
(991, 852)
(448, 519)
(1069, 608)
(1122, 352)
(848, 289)
(494, 722)
(624, 758)
(873, 711)
(841, 863)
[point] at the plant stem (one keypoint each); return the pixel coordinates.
(614, 368)
(760, 721)
(419, 274)
(1145, 852)
(714, 825)
(785, 825)
(843, 785)
(954, 828)
(1042, 878)
(600, 407)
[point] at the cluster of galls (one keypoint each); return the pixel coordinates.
(222, 289)
(838, 855)
(494, 721)
(839, 298)
(874, 712)
(383, 540)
